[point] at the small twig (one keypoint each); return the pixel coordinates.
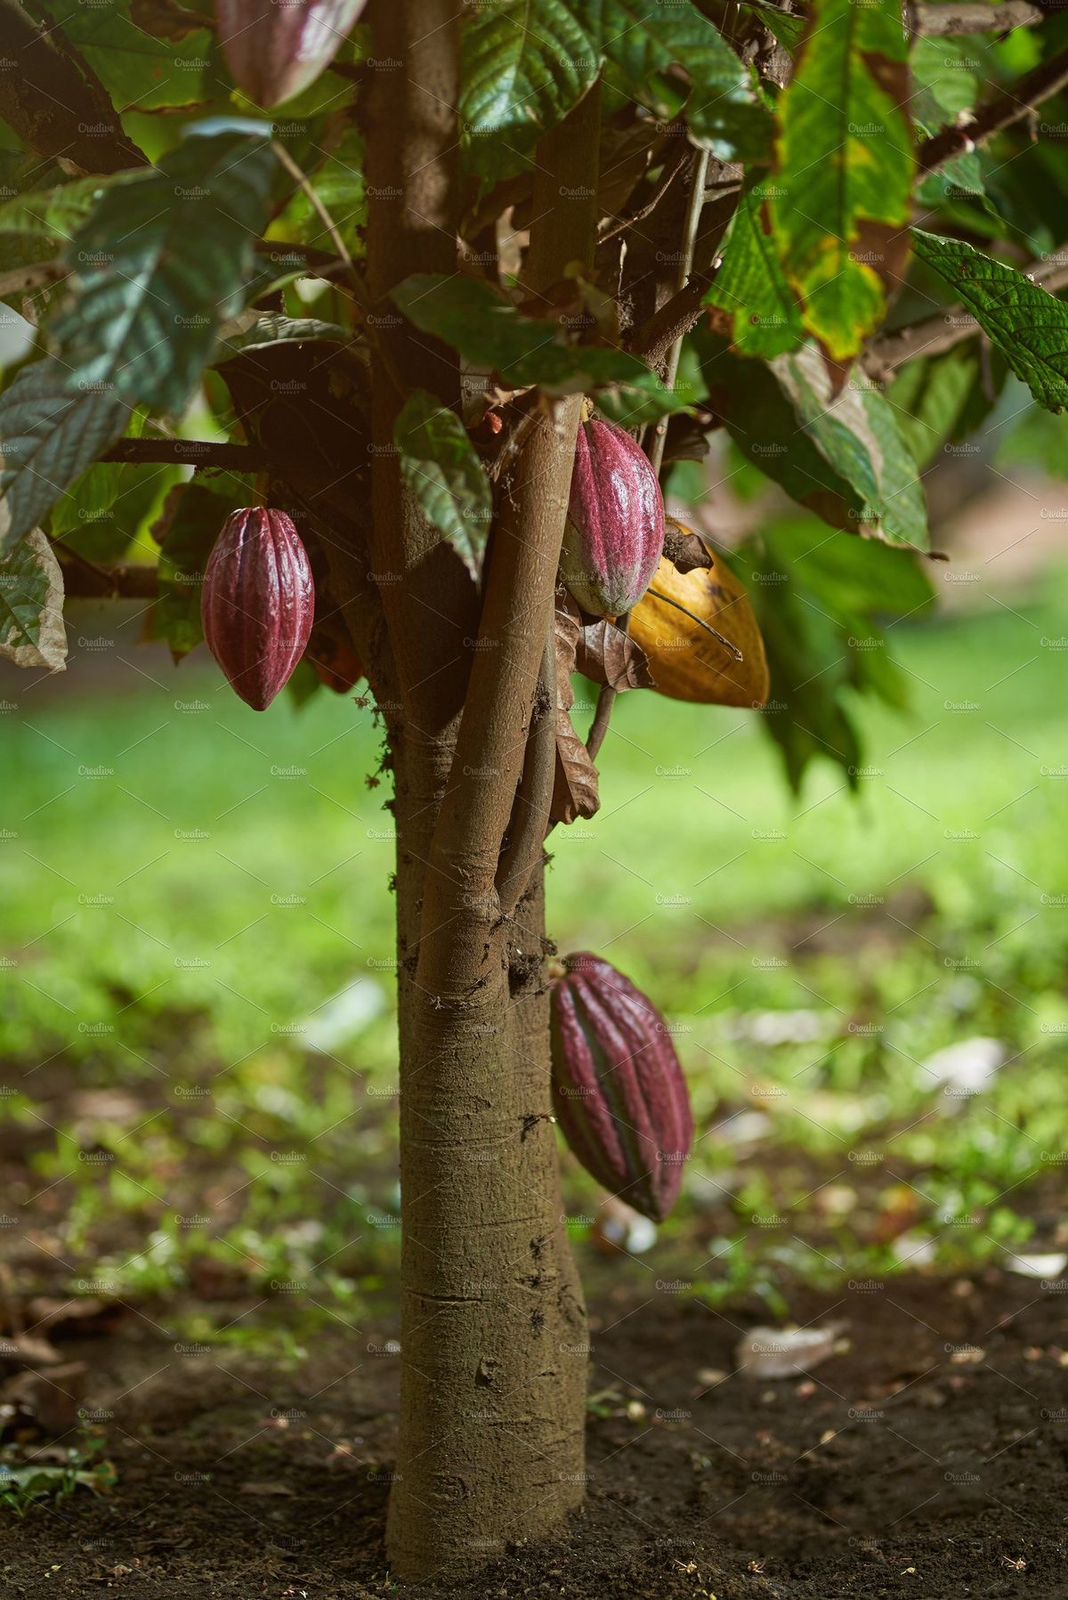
(668, 177)
(355, 276)
(950, 326)
(1027, 93)
(698, 175)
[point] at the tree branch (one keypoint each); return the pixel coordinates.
(531, 810)
(520, 583)
(945, 21)
(948, 327)
(1030, 91)
(54, 103)
(198, 453)
(83, 580)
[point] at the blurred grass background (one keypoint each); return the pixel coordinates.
(198, 1029)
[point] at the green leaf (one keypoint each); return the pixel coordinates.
(37, 224)
(51, 430)
(140, 72)
(441, 468)
(844, 169)
(258, 330)
(940, 400)
(1027, 323)
(842, 456)
(161, 264)
(819, 601)
(647, 45)
(339, 183)
(490, 332)
(763, 317)
(31, 606)
(526, 63)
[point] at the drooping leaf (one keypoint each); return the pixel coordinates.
(1027, 323)
(844, 169)
(760, 312)
(939, 400)
(842, 456)
(488, 331)
(32, 633)
(161, 264)
(821, 602)
(575, 782)
(606, 654)
(442, 469)
(51, 430)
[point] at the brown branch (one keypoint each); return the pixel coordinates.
(1030, 91)
(950, 326)
(82, 580)
(520, 583)
(198, 453)
(54, 102)
(654, 341)
(945, 21)
(668, 177)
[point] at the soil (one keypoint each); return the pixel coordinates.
(925, 1457)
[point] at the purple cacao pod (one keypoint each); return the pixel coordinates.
(618, 1089)
(615, 522)
(258, 602)
(275, 48)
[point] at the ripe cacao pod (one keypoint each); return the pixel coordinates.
(258, 602)
(688, 663)
(275, 48)
(615, 521)
(618, 1089)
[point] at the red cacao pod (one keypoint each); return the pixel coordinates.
(618, 1089)
(275, 48)
(615, 521)
(258, 602)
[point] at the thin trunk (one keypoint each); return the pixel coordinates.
(493, 1332)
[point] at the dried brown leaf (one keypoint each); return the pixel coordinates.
(608, 655)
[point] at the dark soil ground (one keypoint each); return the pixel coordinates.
(927, 1457)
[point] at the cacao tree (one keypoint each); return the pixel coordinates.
(436, 337)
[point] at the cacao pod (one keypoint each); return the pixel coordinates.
(258, 602)
(687, 662)
(275, 48)
(618, 1089)
(332, 657)
(615, 521)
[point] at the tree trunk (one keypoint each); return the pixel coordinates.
(493, 1330)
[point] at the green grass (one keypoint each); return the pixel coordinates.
(186, 883)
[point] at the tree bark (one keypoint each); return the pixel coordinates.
(493, 1334)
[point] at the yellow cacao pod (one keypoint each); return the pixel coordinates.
(686, 661)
